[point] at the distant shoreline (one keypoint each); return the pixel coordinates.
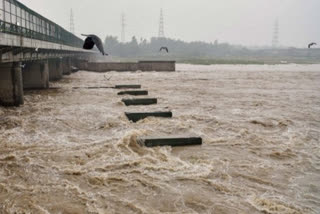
(231, 61)
(242, 62)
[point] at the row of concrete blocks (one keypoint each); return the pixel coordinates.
(17, 76)
(135, 117)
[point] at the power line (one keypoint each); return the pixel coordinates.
(161, 25)
(275, 38)
(72, 28)
(123, 28)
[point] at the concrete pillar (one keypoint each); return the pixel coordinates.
(66, 65)
(73, 62)
(11, 87)
(73, 65)
(81, 64)
(36, 75)
(55, 69)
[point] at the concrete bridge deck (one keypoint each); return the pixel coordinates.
(33, 51)
(15, 48)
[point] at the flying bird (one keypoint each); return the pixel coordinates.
(92, 40)
(311, 44)
(164, 48)
(108, 78)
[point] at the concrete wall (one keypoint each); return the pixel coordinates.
(130, 66)
(113, 66)
(36, 75)
(157, 65)
(11, 89)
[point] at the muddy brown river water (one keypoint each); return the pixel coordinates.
(73, 151)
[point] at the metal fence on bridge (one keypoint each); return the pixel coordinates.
(17, 19)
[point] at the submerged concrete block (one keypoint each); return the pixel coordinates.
(145, 101)
(94, 87)
(134, 93)
(127, 86)
(142, 115)
(169, 141)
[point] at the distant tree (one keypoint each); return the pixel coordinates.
(133, 47)
(176, 48)
(111, 43)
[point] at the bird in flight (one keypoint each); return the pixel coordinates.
(311, 44)
(92, 40)
(164, 48)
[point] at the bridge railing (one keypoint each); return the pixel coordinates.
(17, 19)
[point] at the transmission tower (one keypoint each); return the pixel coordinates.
(161, 25)
(123, 28)
(72, 29)
(275, 38)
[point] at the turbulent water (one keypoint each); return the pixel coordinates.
(74, 151)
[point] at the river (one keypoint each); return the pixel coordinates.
(73, 151)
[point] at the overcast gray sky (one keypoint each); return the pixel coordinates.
(246, 22)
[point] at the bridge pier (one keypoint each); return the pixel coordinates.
(11, 87)
(36, 75)
(66, 64)
(55, 69)
(81, 64)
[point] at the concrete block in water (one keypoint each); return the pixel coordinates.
(142, 115)
(94, 87)
(134, 93)
(127, 86)
(168, 141)
(145, 101)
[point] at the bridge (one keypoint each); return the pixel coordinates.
(33, 51)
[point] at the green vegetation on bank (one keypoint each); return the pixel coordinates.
(246, 61)
(220, 62)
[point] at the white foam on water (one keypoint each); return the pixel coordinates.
(74, 151)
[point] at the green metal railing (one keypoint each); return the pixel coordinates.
(17, 19)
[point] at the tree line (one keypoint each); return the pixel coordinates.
(181, 50)
(136, 48)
